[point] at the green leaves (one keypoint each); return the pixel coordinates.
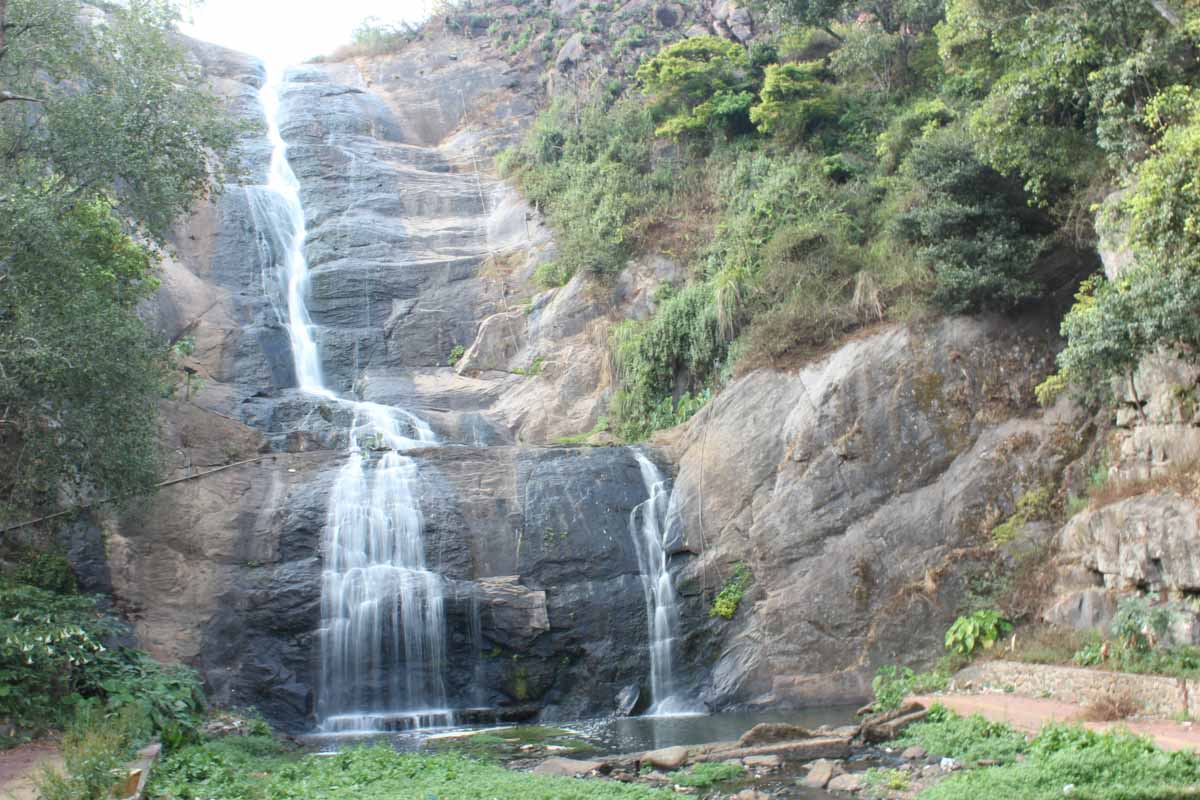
(794, 99)
(699, 85)
(125, 138)
(980, 630)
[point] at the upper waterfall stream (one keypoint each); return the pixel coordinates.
(383, 628)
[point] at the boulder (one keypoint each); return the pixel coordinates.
(822, 771)
(1147, 541)
(668, 758)
(846, 782)
(627, 700)
(771, 732)
(518, 614)
(1087, 609)
(571, 53)
(763, 762)
(914, 753)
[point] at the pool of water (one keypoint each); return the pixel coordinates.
(623, 734)
(630, 734)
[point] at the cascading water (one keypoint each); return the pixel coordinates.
(648, 527)
(383, 626)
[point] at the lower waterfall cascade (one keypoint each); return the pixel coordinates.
(649, 525)
(383, 626)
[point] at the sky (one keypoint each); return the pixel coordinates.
(290, 31)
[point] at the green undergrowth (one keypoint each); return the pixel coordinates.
(707, 774)
(508, 742)
(260, 768)
(54, 664)
(726, 603)
(1098, 766)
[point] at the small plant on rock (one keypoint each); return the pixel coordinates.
(726, 603)
(456, 354)
(981, 629)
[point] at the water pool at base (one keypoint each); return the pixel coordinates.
(619, 734)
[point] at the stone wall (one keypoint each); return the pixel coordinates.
(1154, 695)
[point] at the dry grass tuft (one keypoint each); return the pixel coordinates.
(1111, 709)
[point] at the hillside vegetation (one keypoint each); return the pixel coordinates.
(858, 162)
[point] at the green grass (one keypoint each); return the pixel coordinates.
(707, 774)
(507, 742)
(259, 768)
(1100, 766)
(966, 739)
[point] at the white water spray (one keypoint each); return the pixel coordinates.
(383, 626)
(648, 527)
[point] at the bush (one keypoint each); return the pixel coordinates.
(892, 684)
(726, 603)
(794, 100)
(1114, 324)
(589, 168)
(973, 226)
(700, 85)
(707, 773)
(982, 629)
(53, 660)
(94, 747)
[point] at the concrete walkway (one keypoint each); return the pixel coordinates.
(20, 766)
(1029, 715)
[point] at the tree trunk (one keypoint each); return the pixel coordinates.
(1161, 6)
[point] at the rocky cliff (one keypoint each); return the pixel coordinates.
(860, 490)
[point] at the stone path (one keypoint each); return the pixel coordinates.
(1030, 715)
(21, 765)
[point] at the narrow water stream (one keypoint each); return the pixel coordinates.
(648, 526)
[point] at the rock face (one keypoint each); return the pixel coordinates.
(856, 491)
(413, 249)
(859, 491)
(1147, 542)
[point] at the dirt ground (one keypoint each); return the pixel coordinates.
(20, 765)
(1029, 714)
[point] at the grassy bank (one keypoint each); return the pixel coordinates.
(1002, 763)
(260, 768)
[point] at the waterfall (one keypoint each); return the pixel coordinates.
(648, 527)
(383, 625)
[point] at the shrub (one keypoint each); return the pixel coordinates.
(706, 774)
(94, 747)
(794, 100)
(982, 629)
(892, 684)
(589, 169)
(53, 660)
(966, 739)
(1114, 324)
(973, 227)
(699, 85)
(456, 354)
(730, 597)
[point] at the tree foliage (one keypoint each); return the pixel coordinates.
(113, 138)
(794, 99)
(699, 85)
(974, 227)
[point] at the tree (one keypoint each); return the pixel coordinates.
(1063, 82)
(699, 85)
(794, 99)
(973, 226)
(111, 139)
